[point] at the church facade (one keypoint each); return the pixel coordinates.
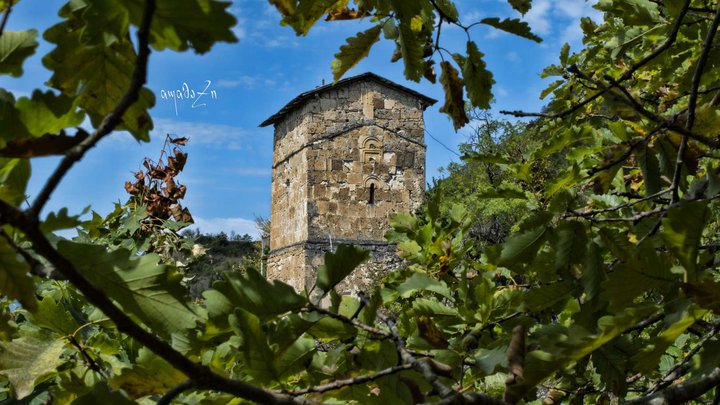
(347, 156)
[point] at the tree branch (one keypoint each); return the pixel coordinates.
(682, 392)
(680, 368)
(448, 395)
(175, 391)
(112, 120)
(28, 222)
(5, 16)
(692, 102)
(378, 332)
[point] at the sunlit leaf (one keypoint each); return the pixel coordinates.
(454, 105)
(356, 49)
(15, 47)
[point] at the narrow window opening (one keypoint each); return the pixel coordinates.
(371, 200)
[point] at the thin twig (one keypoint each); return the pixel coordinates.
(36, 267)
(175, 391)
(91, 363)
(592, 213)
(692, 102)
(5, 16)
(634, 219)
(680, 393)
(681, 367)
(375, 331)
(337, 384)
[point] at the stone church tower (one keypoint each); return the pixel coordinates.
(346, 157)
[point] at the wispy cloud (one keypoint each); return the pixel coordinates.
(245, 81)
(202, 133)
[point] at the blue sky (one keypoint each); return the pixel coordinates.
(230, 157)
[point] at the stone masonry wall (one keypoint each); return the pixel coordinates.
(344, 162)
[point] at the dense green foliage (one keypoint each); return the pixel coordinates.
(495, 200)
(600, 285)
(220, 254)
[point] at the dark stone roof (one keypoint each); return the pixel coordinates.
(300, 99)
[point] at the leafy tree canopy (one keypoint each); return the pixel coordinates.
(605, 289)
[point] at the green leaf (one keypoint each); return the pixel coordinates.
(422, 282)
(564, 54)
(552, 87)
(301, 15)
(10, 122)
(454, 105)
(705, 293)
(682, 229)
(449, 9)
(33, 355)
(523, 6)
(148, 374)
(15, 47)
(14, 176)
(646, 360)
(522, 248)
(404, 222)
(15, 280)
(106, 22)
(571, 244)
(47, 113)
(540, 298)
(256, 350)
(356, 49)
(594, 272)
(650, 167)
(101, 394)
(53, 315)
(478, 80)
(513, 26)
(339, 265)
(488, 360)
(61, 220)
(196, 24)
(632, 12)
(411, 50)
(250, 291)
(143, 287)
(293, 359)
(98, 76)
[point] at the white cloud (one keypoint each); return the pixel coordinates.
(539, 17)
(546, 15)
(239, 30)
(245, 81)
(240, 226)
(203, 133)
(572, 34)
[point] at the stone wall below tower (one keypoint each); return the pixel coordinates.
(297, 265)
(288, 265)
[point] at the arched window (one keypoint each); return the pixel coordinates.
(371, 200)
